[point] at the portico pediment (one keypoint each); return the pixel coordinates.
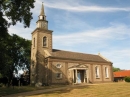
(82, 66)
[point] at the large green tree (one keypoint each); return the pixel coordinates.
(11, 12)
(17, 55)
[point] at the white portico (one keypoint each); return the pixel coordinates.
(80, 74)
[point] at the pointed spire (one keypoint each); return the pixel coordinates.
(42, 10)
(42, 22)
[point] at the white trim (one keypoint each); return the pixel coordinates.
(104, 57)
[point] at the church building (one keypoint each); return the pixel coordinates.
(53, 66)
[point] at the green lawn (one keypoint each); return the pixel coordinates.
(120, 89)
(11, 90)
(101, 90)
(16, 89)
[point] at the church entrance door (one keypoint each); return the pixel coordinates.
(78, 77)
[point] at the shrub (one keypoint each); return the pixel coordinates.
(127, 79)
(1, 84)
(1, 75)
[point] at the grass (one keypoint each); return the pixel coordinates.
(10, 90)
(100, 90)
(120, 89)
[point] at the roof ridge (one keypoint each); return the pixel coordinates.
(76, 55)
(75, 52)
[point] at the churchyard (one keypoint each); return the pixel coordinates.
(97, 90)
(116, 89)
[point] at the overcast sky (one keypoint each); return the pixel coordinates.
(86, 26)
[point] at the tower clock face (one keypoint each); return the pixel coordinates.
(42, 24)
(45, 25)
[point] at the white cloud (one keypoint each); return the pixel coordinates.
(76, 6)
(119, 57)
(100, 35)
(81, 8)
(21, 31)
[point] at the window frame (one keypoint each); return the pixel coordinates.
(106, 72)
(97, 72)
(58, 66)
(44, 40)
(60, 76)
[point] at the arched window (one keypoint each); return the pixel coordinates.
(44, 41)
(97, 72)
(106, 72)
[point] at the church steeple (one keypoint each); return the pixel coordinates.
(42, 11)
(42, 22)
(42, 14)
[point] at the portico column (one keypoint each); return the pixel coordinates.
(76, 75)
(84, 75)
(87, 76)
(73, 77)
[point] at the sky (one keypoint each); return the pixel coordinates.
(86, 26)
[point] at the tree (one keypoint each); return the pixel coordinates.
(11, 12)
(4, 57)
(14, 11)
(116, 69)
(17, 56)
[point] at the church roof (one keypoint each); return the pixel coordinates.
(77, 56)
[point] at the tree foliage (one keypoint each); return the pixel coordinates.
(16, 55)
(127, 79)
(116, 69)
(16, 10)
(14, 50)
